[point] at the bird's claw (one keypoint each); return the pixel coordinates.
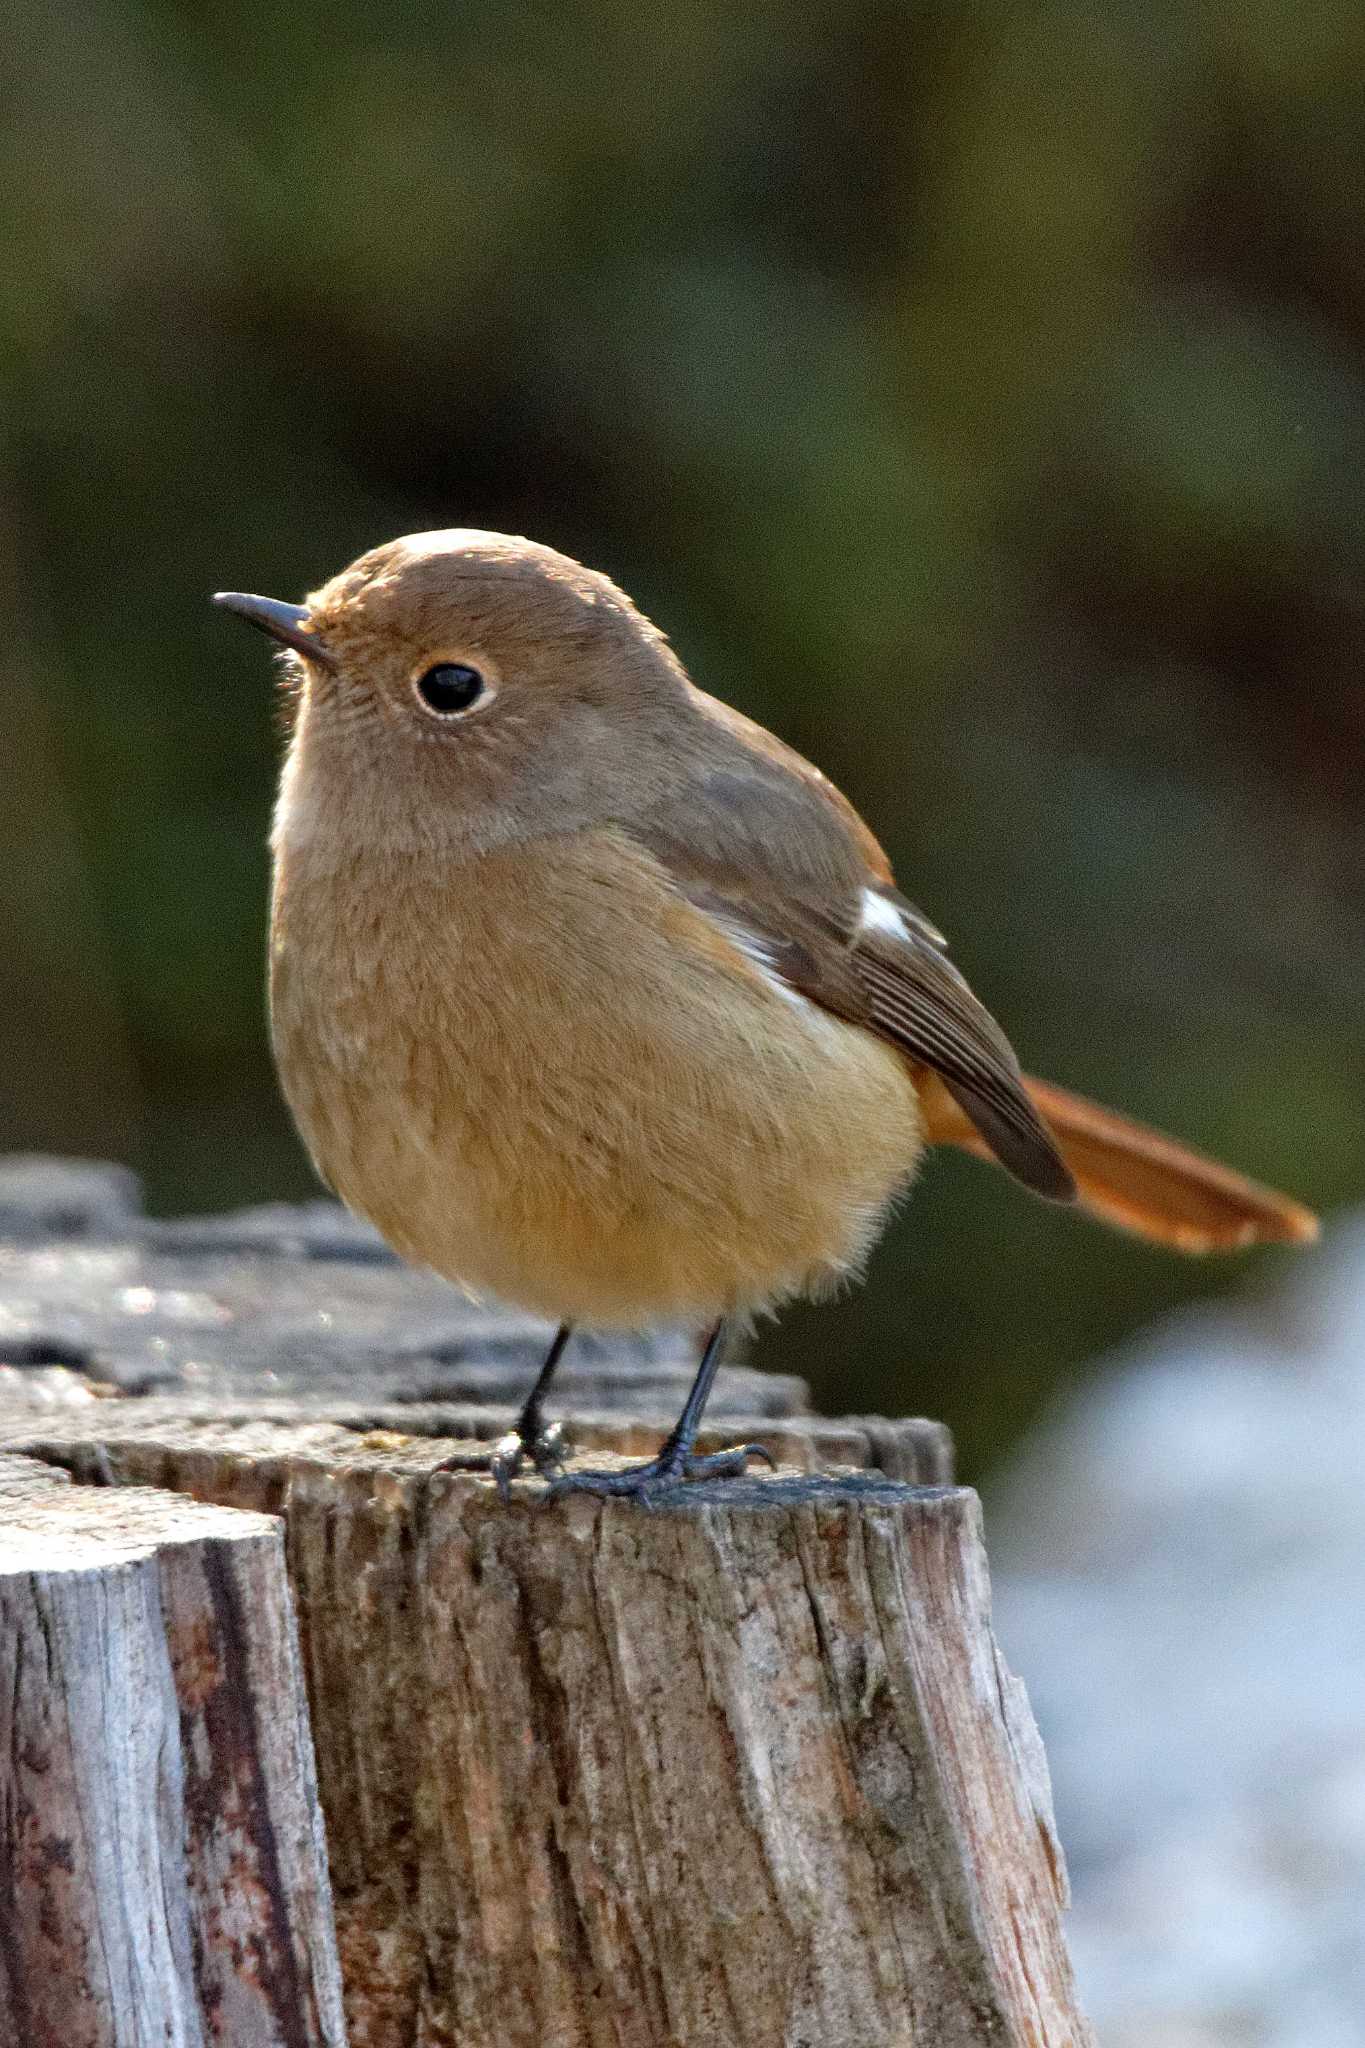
(545, 1451)
(656, 1476)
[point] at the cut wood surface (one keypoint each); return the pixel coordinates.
(744, 1768)
(163, 1875)
(739, 1770)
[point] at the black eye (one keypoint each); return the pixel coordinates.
(450, 686)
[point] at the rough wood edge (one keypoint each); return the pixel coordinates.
(911, 1448)
(516, 1706)
(163, 1875)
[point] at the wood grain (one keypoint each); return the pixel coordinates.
(162, 1869)
(741, 1771)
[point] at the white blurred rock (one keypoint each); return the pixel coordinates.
(1180, 1578)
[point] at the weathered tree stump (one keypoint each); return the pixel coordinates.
(163, 1875)
(743, 1770)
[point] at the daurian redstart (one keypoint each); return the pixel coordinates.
(591, 994)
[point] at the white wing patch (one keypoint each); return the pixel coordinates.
(879, 914)
(758, 954)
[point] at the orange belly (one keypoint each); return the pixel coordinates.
(553, 1081)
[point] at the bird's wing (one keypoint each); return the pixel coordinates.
(759, 840)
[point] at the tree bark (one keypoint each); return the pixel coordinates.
(743, 1769)
(740, 1771)
(163, 1877)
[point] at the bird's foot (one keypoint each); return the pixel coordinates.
(672, 1467)
(544, 1448)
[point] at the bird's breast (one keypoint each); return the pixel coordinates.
(546, 1075)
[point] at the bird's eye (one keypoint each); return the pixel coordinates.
(449, 687)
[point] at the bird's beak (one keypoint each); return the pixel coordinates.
(284, 622)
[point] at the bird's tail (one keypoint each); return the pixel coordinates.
(1136, 1177)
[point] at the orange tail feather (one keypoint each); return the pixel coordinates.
(1136, 1177)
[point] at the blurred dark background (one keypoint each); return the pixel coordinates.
(976, 393)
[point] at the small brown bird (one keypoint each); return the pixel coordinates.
(591, 994)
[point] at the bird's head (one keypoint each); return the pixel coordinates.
(471, 682)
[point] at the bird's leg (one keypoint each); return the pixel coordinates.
(528, 1437)
(676, 1459)
(537, 1442)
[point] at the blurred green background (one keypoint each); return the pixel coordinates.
(976, 393)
